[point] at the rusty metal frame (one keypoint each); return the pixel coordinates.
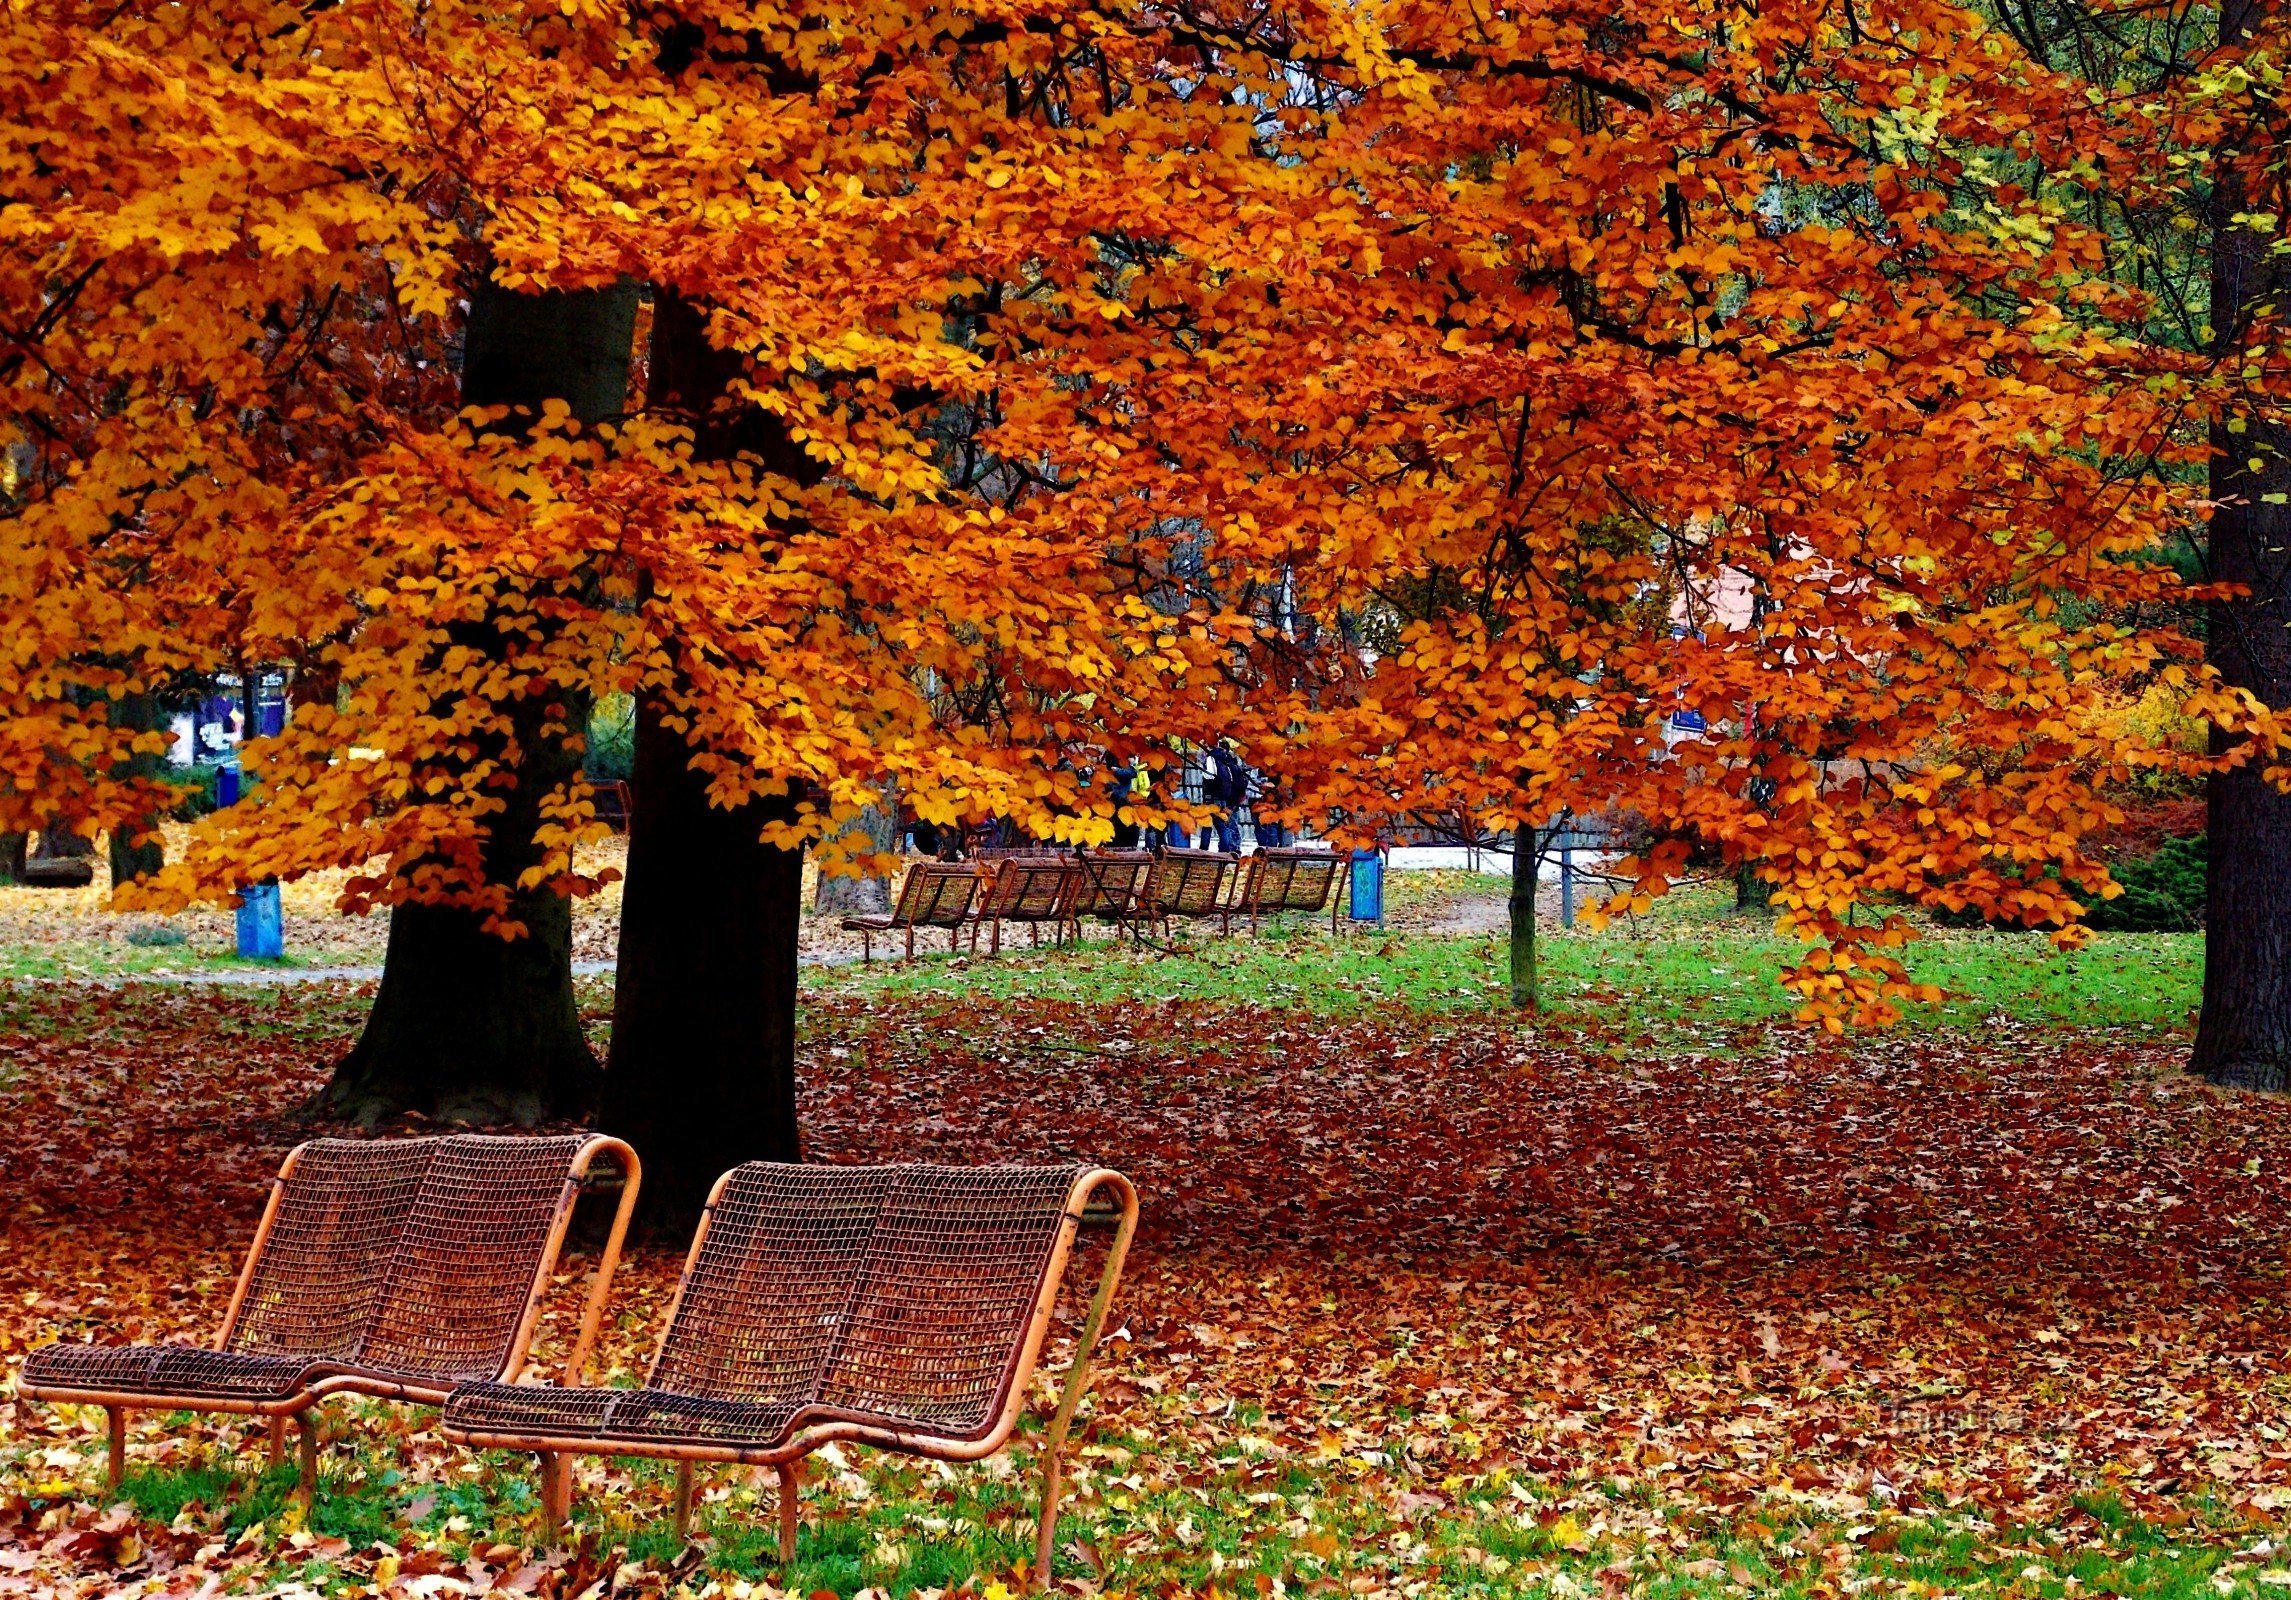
(817, 1425)
(373, 1383)
(1005, 877)
(922, 903)
(1101, 886)
(1252, 899)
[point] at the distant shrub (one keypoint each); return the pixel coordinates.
(196, 788)
(612, 740)
(2163, 892)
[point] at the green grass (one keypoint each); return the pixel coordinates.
(1655, 972)
(1236, 1520)
(99, 958)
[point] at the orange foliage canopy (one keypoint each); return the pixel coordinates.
(1441, 398)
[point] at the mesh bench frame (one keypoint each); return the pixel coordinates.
(1196, 884)
(1032, 889)
(760, 1313)
(1277, 880)
(1116, 885)
(339, 1294)
(934, 894)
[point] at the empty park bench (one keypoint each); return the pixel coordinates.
(1029, 889)
(1274, 881)
(936, 894)
(1194, 884)
(903, 1307)
(398, 1268)
(1116, 885)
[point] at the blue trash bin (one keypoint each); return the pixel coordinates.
(1368, 886)
(262, 926)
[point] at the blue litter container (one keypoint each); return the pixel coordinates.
(262, 925)
(1368, 886)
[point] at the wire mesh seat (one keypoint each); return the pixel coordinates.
(1194, 884)
(897, 1306)
(1273, 881)
(1115, 884)
(397, 1268)
(935, 894)
(1029, 889)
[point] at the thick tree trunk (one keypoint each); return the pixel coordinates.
(701, 1074)
(2244, 1037)
(13, 849)
(133, 857)
(1524, 995)
(468, 1026)
(876, 830)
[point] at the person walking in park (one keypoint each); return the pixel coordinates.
(1127, 792)
(1229, 792)
(1263, 791)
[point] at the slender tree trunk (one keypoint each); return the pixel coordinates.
(134, 857)
(468, 1026)
(2244, 1038)
(13, 848)
(876, 830)
(701, 1074)
(1524, 995)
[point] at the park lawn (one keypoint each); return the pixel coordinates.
(94, 958)
(1653, 973)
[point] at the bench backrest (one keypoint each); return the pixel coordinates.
(937, 894)
(1031, 888)
(894, 1295)
(1112, 881)
(1292, 880)
(1192, 883)
(413, 1256)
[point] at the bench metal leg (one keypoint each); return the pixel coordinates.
(791, 1488)
(115, 1444)
(277, 1440)
(306, 1483)
(683, 1498)
(556, 1491)
(1085, 1344)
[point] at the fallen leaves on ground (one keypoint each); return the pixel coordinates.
(1443, 1269)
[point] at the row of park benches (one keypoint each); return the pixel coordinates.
(1133, 890)
(903, 1307)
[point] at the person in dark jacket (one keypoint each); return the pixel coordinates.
(1228, 790)
(1124, 778)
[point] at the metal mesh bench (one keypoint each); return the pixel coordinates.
(390, 1267)
(1194, 884)
(936, 894)
(1273, 881)
(1029, 889)
(1116, 885)
(896, 1306)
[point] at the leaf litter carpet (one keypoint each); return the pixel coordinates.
(1414, 1254)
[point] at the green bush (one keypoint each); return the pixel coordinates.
(612, 740)
(196, 787)
(2163, 892)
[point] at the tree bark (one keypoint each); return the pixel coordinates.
(133, 857)
(841, 895)
(2244, 1037)
(701, 1074)
(13, 849)
(469, 1026)
(1524, 994)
